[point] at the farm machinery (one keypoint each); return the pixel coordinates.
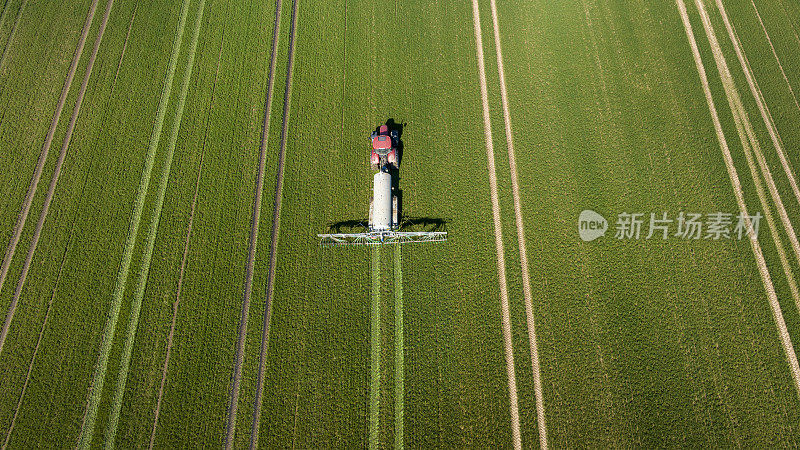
(384, 213)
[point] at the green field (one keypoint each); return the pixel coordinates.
(125, 295)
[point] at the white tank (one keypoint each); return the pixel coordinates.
(382, 202)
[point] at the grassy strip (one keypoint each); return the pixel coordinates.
(87, 431)
(151, 237)
(375, 351)
(398, 348)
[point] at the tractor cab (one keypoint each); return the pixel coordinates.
(384, 148)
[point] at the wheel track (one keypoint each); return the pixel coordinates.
(98, 380)
(13, 30)
(780, 323)
(523, 252)
(184, 258)
(54, 180)
(766, 116)
(375, 352)
(234, 395)
(127, 351)
(775, 54)
(399, 349)
(498, 234)
(737, 108)
(64, 255)
(256, 421)
(37, 173)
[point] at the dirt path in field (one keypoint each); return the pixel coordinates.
(498, 234)
(775, 54)
(780, 323)
(13, 31)
(737, 108)
(98, 380)
(523, 253)
(37, 173)
(276, 27)
(766, 116)
(37, 233)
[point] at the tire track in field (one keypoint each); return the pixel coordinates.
(750, 144)
(256, 422)
(523, 253)
(54, 180)
(780, 323)
(4, 13)
(763, 108)
(498, 234)
(230, 430)
(737, 107)
(775, 54)
(375, 352)
(791, 22)
(37, 173)
(399, 349)
(234, 400)
(30, 369)
(64, 255)
(185, 256)
(130, 338)
(98, 380)
(12, 33)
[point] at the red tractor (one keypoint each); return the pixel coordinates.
(384, 148)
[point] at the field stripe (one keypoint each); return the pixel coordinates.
(184, 259)
(37, 173)
(111, 431)
(11, 35)
(273, 259)
(61, 266)
(273, 60)
(56, 174)
(523, 252)
(96, 388)
(762, 106)
(774, 53)
(375, 352)
(777, 315)
(750, 144)
(498, 234)
(735, 103)
(399, 349)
